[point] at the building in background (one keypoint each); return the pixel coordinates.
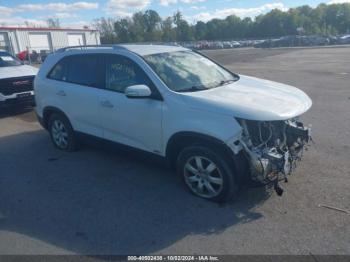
(20, 39)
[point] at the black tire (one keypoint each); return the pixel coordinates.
(229, 188)
(72, 143)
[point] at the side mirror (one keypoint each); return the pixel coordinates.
(138, 91)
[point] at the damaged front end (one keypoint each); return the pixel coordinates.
(273, 148)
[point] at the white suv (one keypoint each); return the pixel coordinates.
(215, 127)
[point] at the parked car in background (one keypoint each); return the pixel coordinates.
(16, 81)
(218, 45)
(345, 39)
(216, 127)
(235, 44)
(227, 44)
(296, 40)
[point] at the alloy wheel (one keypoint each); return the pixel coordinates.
(59, 134)
(203, 177)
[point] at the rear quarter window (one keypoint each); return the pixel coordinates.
(59, 71)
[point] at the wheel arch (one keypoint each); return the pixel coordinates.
(48, 111)
(180, 140)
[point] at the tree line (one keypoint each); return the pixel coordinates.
(148, 26)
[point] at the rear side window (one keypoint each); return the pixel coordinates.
(77, 69)
(83, 70)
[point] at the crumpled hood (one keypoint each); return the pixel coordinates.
(252, 99)
(17, 71)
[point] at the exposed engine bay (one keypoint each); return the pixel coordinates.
(273, 148)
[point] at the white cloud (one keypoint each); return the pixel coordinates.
(61, 10)
(196, 7)
(77, 24)
(5, 11)
(124, 4)
(241, 12)
(59, 7)
(62, 15)
(169, 2)
(192, 1)
(338, 2)
(20, 21)
(125, 8)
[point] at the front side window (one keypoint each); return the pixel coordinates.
(121, 73)
(185, 71)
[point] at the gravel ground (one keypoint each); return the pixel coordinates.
(105, 201)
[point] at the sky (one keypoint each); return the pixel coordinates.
(76, 14)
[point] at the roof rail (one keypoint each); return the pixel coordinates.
(81, 47)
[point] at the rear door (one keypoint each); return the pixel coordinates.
(75, 81)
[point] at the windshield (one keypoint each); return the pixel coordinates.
(8, 60)
(187, 71)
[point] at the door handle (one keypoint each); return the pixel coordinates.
(106, 103)
(61, 93)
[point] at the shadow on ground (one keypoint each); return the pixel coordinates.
(103, 201)
(25, 113)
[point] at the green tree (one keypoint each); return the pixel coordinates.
(122, 30)
(106, 28)
(152, 23)
(148, 26)
(53, 22)
(183, 29)
(200, 31)
(168, 33)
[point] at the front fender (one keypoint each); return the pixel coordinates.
(219, 126)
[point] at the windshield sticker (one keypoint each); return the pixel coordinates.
(6, 58)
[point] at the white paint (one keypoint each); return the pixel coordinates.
(17, 71)
(39, 41)
(152, 49)
(253, 99)
(76, 39)
(19, 40)
(148, 124)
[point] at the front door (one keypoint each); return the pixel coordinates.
(133, 122)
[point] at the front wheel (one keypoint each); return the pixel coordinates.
(207, 173)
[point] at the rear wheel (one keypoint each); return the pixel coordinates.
(207, 173)
(62, 133)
